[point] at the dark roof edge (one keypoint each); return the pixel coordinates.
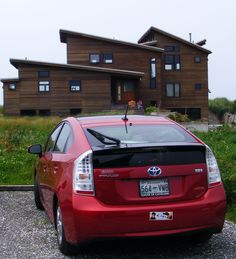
(174, 37)
(16, 62)
(6, 80)
(64, 33)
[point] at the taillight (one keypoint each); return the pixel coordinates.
(213, 171)
(83, 174)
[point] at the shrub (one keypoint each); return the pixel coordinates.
(151, 109)
(219, 106)
(178, 117)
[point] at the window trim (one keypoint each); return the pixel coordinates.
(173, 64)
(105, 60)
(99, 56)
(153, 76)
(70, 85)
(44, 91)
(174, 91)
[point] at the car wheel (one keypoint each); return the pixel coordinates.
(37, 200)
(65, 247)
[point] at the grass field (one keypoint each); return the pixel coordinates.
(17, 134)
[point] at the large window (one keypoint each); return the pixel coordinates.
(75, 85)
(172, 62)
(173, 90)
(107, 58)
(153, 73)
(44, 86)
(94, 58)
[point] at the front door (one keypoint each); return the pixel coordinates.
(123, 91)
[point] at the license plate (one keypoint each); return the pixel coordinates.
(151, 188)
(161, 215)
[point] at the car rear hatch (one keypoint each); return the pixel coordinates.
(132, 174)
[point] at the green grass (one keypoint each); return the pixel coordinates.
(17, 134)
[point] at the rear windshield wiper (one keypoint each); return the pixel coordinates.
(101, 137)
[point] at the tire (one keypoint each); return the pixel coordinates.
(37, 199)
(65, 247)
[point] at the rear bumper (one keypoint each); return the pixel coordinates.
(91, 219)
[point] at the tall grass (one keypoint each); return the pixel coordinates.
(16, 135)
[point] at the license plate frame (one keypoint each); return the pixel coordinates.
(154, 187)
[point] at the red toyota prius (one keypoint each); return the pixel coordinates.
(137, 176)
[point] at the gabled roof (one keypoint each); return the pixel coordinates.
(64, 34)
(17, 62)
(154, 29)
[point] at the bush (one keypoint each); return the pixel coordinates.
(219, 106)
(151, 109)
(178, 117)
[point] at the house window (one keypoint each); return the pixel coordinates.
(171, 48)
(197, 59)
(153, 73)
(198, 86)
(173, 90)
(75, 111)
(107, 58)
(75, 85)
(94, 58)
(172, 62)
(43, 74)
(27, 112)
(12, 87)
(44, 86)
(44, 112)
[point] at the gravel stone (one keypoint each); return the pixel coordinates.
(26, 232)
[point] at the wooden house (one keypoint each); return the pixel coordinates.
(102, 74)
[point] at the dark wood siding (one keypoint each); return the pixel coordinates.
(191, 73)
(124, 57)
(94, 94)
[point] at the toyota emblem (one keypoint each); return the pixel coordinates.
(154, 171)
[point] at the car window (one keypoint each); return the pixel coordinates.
(53, 138)
(137, 134)
(65, 139)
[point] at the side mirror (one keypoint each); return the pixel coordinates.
(35, 149)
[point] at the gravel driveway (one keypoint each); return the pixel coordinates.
(26, 232)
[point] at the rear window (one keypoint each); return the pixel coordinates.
(141, 134)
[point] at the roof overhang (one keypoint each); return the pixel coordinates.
(64, 34)
(18, 62)
(154, 29)
(10, 80)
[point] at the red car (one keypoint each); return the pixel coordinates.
(137, 176)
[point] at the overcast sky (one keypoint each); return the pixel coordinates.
(30, 29)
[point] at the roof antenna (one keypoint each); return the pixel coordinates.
(125, 118)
